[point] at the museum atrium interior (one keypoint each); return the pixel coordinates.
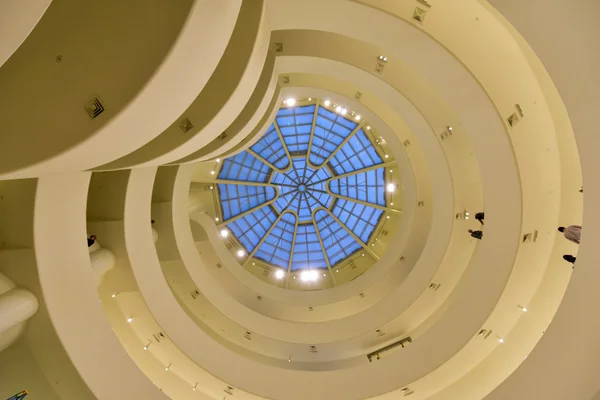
(283, 199)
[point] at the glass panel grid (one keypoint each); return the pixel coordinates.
(366, 186)
(277, 247)
(330, 131)
(358, 218)
(307, 251)
(251, 228)
(270, 148)
(237, 199)
(358, 153)
(338, 243)
(244, 167)
(295, 124)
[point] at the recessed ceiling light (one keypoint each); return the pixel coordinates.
(224, 233)
(279, 274)
(241, 253)
(388, 217)
(501, 340)
(450, 128)
(211, 188)
(338, 109)
(391, 187)
(309, 275)
(310, 98)
(363, 254)
(327, 103)
(344, 111)
(114, 295)
(357, 118)
(217, 219)
(290, 102)
(387, 156)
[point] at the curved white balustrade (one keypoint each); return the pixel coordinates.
(70, 292)
(102, 260)
(17, 305)
(17, 20)
(142, 94)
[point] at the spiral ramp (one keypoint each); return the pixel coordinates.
(172, 130)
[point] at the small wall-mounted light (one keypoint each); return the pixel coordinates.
(130, 319)
(212, 187)
(383, 58)
(113, 295)
(449, 128)
(310, 98)
(309, 275)
(500, 339)
(217, 219)
(148, 345)
(167, 368)
(218, 160)
(327, 103)
(290, 102)
(344, 111)
(524, 309)
(363, 254)
(391, 187)
(195, 386)
(212, 171)
(387, 156)
(224, 233)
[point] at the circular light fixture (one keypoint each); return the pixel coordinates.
(279, 274)
(241, 253)
(391, 187)
(338, 109)
(217, 219)
(368, 127)
(327, 103)
(224, 233)
(129, 319)
(357, 118)
(290, 102)
(218, 160)
(309, 275)
(344, 111)
(212, 172)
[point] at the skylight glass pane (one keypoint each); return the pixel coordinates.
(358, 218)
(330, 131)
(236, 199)
(338, 243)
(358, 153)
(295, 124)
(244, 167)
(270, 148)
(277, 247)
(307, 251)
(251, 228)
(367, 186)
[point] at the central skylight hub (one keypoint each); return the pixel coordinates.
(302, 189)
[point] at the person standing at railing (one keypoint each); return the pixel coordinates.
(571, 232)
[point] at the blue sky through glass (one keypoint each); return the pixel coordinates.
(295, 210)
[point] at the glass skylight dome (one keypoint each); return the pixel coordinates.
(309, 194)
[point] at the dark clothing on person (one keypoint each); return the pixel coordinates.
(476, 234)
(480, 216)
(570, 258)
(91, 241)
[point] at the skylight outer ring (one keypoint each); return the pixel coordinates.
(292, 205)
